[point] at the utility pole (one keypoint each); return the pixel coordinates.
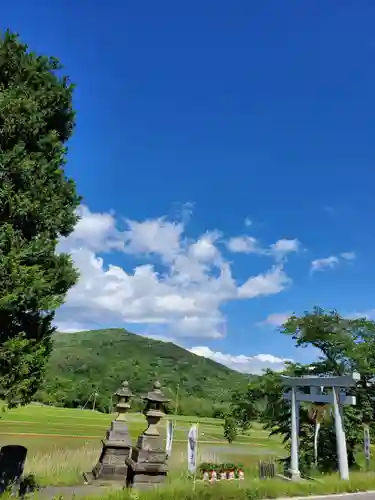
(177, 402)
(94, 403)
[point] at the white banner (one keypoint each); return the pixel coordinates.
(192, 448)
(169, 439)
(366, 441)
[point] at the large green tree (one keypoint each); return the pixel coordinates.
(344, 345)
(37, 207)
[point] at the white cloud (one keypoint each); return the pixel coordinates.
(96, 231)
(248, 222)
(348, 255)
(276, 319)
(269, 283)
(330, 262)
(70, 326)
(243, 244)
(204, 248)
(248, 244)
(183, 290)
(153, 236)
(325, 263)
(192, 326)
(245, 364)
(284, 246)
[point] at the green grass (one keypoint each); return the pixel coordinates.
(63, 443)
(256, 489)
(253, 489)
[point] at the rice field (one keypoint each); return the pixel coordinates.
(63, 443)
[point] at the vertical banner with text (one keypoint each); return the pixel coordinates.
(169, 438)
(366, 443)
(192, 449)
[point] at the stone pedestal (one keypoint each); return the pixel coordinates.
(147, 465)
(117, 446)
(116, 449)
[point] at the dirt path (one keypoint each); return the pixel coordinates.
(68, 492)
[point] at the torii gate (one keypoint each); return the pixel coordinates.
(337, 396)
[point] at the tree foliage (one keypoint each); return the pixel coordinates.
(230, 429)
(345, 346)
(37, 207)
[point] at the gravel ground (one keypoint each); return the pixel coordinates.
(69, 492)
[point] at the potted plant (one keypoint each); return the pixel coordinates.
(204, 470)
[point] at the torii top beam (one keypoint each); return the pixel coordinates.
(325, 381)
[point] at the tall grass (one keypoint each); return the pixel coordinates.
(61, 466)
(64, 467)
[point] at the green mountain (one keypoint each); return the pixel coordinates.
(98, 361)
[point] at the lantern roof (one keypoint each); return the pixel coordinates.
(124, 391)
(156, 395)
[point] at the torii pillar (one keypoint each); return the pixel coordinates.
(336, 397)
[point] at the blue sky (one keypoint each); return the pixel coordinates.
(221, 148)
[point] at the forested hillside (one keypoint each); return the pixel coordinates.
(99, 360)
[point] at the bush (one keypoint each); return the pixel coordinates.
(230, 429)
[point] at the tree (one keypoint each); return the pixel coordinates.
(230, 429)
(319, 413)
(37, 207)
(345, 345)
(276, 416)
(245, 407)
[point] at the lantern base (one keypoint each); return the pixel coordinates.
(147, 466)
(146, 442)
(119, 431)
(145, 475)
(116, 449)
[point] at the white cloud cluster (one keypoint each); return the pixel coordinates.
(330, 262)
(269, 283)
(348, 255)
(247, 244)
(324, 263)
(245, 364)
(182, 285)
(244, 244)
(283, 247)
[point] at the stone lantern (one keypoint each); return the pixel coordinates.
(155, 409)
(147, 465)
(117, 445)
(123, 401)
